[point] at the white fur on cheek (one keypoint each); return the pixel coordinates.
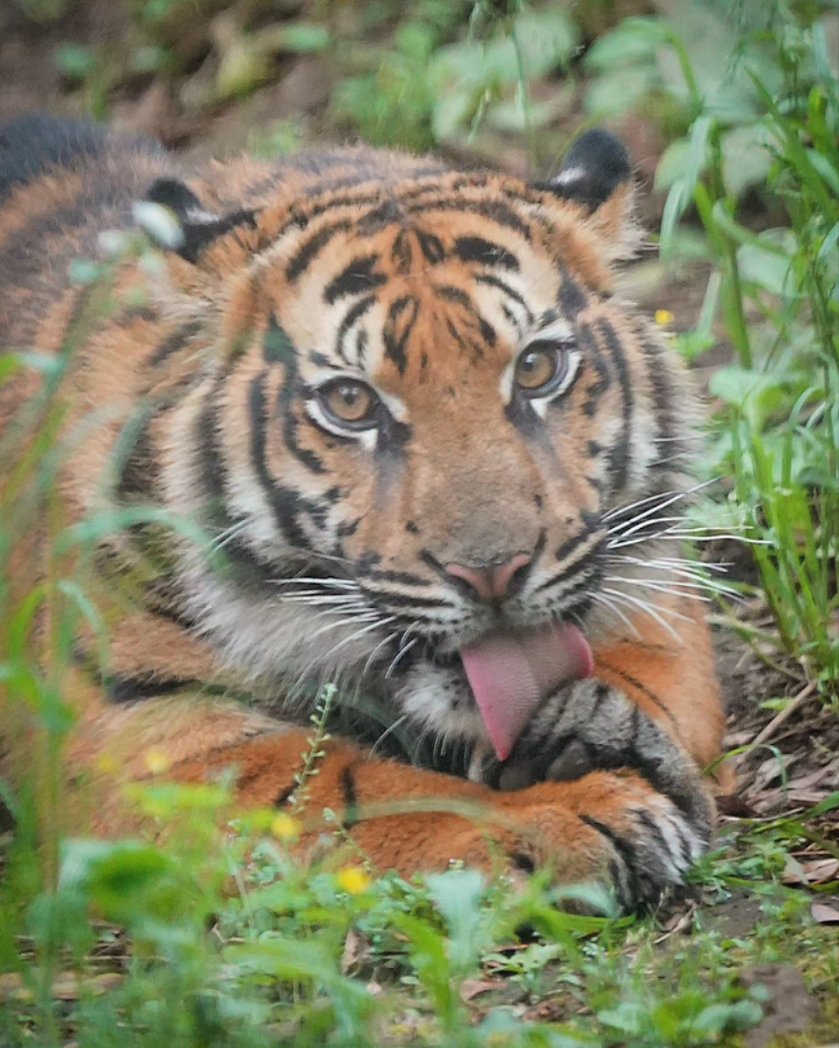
(426, 695)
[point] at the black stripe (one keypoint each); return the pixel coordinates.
(493, 281)
(572, 298)
(494, 210)
(200, 235)
(398, 330)
(654, 830)
(587, 341)
(665, 399)
(359, 276)
(628, 856)
(619, 454)
(403, 600)
(284, 512)
(635, 683)
(401, 253)
(405, 577)
(210, 460)
(431, 247)
(388, 213)
(174, 341)
(455, 334)
(455, 294)
(590, 575)
(284, 795)
(121, 689)
(590, 522)
(355, 313)
(284, 349)
(126, 317)
(313, 246)
(248, 568)
(347, 784)
(485, 253)
(310, 459)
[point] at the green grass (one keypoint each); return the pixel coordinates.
(231, 943)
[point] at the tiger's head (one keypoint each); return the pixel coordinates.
(422, 419)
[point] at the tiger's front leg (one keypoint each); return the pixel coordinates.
(636, 830)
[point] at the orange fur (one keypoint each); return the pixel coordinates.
(207, 354)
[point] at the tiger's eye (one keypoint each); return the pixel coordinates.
(349, 402)
(536, 369)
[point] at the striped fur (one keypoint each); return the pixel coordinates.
(198, 394)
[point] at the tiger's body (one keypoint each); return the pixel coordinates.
(416, 424)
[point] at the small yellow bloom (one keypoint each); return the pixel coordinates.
(285, 827)
(353, 880)
(664, 317)
(107, 764)
(156, 761)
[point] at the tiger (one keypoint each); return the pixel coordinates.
(427, 461)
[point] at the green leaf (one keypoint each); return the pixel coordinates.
(746, 157)
(620, 90)
(634, 42)
(457, 894)
(305, 38)
(75, 61)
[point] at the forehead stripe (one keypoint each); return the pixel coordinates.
(313, 246)
(359, 276)
(485, 253)
(398, 330)
(493, 281)
(357, 311)
(491, 209)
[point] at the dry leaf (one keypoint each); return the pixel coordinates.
(356, 952)
(470, 988)
(821, 870)
(824, 914)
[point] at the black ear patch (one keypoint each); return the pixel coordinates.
(596, 165)
(176, 220)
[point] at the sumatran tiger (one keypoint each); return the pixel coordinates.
(437, 462)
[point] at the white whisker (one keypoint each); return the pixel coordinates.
(649, 609)
(359, 633)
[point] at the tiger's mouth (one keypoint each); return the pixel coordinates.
(509, 673)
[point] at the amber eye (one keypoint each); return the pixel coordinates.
(540, 369)
(349, 403)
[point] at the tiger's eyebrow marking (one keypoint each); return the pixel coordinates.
(485, 253)
(359, 276)
(312, 247)
(493, 281)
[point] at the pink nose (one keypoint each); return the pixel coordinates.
(490, 583)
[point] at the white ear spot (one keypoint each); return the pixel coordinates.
(160, 224)
(569, 175)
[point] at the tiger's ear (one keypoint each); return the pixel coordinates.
(597, 176)
(596, 166)
(174, 218)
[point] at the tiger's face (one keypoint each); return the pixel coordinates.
(426, 433)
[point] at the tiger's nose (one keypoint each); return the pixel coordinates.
(492, 583)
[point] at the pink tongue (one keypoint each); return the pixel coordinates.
(509, 675)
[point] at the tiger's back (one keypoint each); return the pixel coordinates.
(432, 452)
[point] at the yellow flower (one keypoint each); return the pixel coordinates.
(285, 827)
(107, 764)
(353, 880)
(664, 317)
(156, 761)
